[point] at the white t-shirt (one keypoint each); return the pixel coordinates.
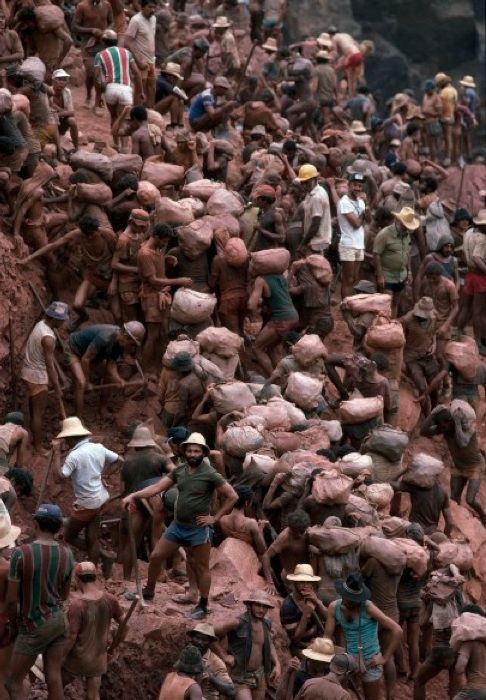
(317, 204)
(142, 30)
(350, 237)
(85, 464)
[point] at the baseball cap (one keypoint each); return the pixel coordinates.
(60, 73)
(178, 434)
(110, 35)
(84, 567)
(222, 82)
(48, 510)
(356, 177)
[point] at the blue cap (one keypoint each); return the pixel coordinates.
(58, 310)
(429, 85)
(178, 433)
(48, 510)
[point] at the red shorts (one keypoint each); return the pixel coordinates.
(474, 283)
(355, 60)
(283, 327)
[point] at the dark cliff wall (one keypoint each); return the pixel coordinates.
(414, 38)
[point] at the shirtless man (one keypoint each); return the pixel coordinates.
(146, 138)
(89, 615)
(97, 247)
(471, 661)
(155, 290)
(291, 546)
(236, 524)
(11, 49)
(185, 153)
(7, 543)
(13, 441)
(52, 47)
(351, 58)
(124, 263)
(91, 19)
(251, 655)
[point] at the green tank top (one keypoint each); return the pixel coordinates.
(279, 301)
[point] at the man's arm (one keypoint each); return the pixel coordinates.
(257, 294)
(312, 230)
(160, 487)
(67, 42)
(330, 621)
(463, 657)
(274, 549)
(137, 79)
(229, 496)
(48, 347)
(429, 427)
(60, 243)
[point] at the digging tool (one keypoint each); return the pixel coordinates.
(462, 165)
(133, 552)
(243, 72)
(13, 378)
(45, 479)
(113, 385)
(122, 626)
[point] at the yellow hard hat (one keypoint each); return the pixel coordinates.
(307, 172)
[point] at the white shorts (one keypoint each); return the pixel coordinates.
(116, 94)
(350, 254)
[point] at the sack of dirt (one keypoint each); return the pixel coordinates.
(195, 205)
(360, 410)
(282, 441)
(417, 557)
(206, 370)
(48, 18)
(355, 464)
(360, 512)
(195, 238)
(380, 496)
(227, 365)
(99, 194)
(458, 553)
(235, 252)
(320, 268)
(468, 627)
(297, 477)
(384, 470)
(219, 341)
(170, 211)
(464, 356)
(232, 396)
(385, 334)
(303, 390)
(162, 174)
(225, 202)
(390, 555)
(423, 471)
(182, 344)
(202, 189)
(93, 161)
(309, 349)
(387, 441)
(393, 526)
(334, 430)
(288, 460)
(239, 440)
(263, 464)
(332, 487)
(295, 415)
(274, 261)
(34, 67)
(379, 304)
(127, 163)
(333, 540)
(271, 390)
(190, 307)
(315, 438)
(225, 222)
(274, 417)
(148, 195)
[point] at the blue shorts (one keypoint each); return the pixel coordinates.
(188, 536)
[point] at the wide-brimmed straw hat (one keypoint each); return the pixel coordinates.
(259, 597)
(468, 81)
(407, 218)
(353, 589)
(173, 69)
(303, 573)
(72, 427)
(320, 649)
(323, 54)
(400, 100)
(8, 532)
(480, 218)
(203, 628)
(270, 44)
(142, 437)
(222, 22)
(357, 127)
(196, 439)
(440, 78)
(424, 308)
(324, 39)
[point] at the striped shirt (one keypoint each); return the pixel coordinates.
(42, 569)
(115, 64)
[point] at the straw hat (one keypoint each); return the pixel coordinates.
(222, 23)
(222, 82)
(357, 127)
(468, 81)
(406, 216)
(142, 437)
(196, 439)
(173, 69)
(324, 39)
(480, 218)
(400, 100)
(320, 649)
(72, 427)
(395, 142)
(259, 597)
(8, 532)
(424, 308)
(270, 44)
(303, 573)
(323, 54)
(440, 78)
(258, 130)
(205, 629)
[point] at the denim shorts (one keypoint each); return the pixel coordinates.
(188, 536)
(373, 673)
